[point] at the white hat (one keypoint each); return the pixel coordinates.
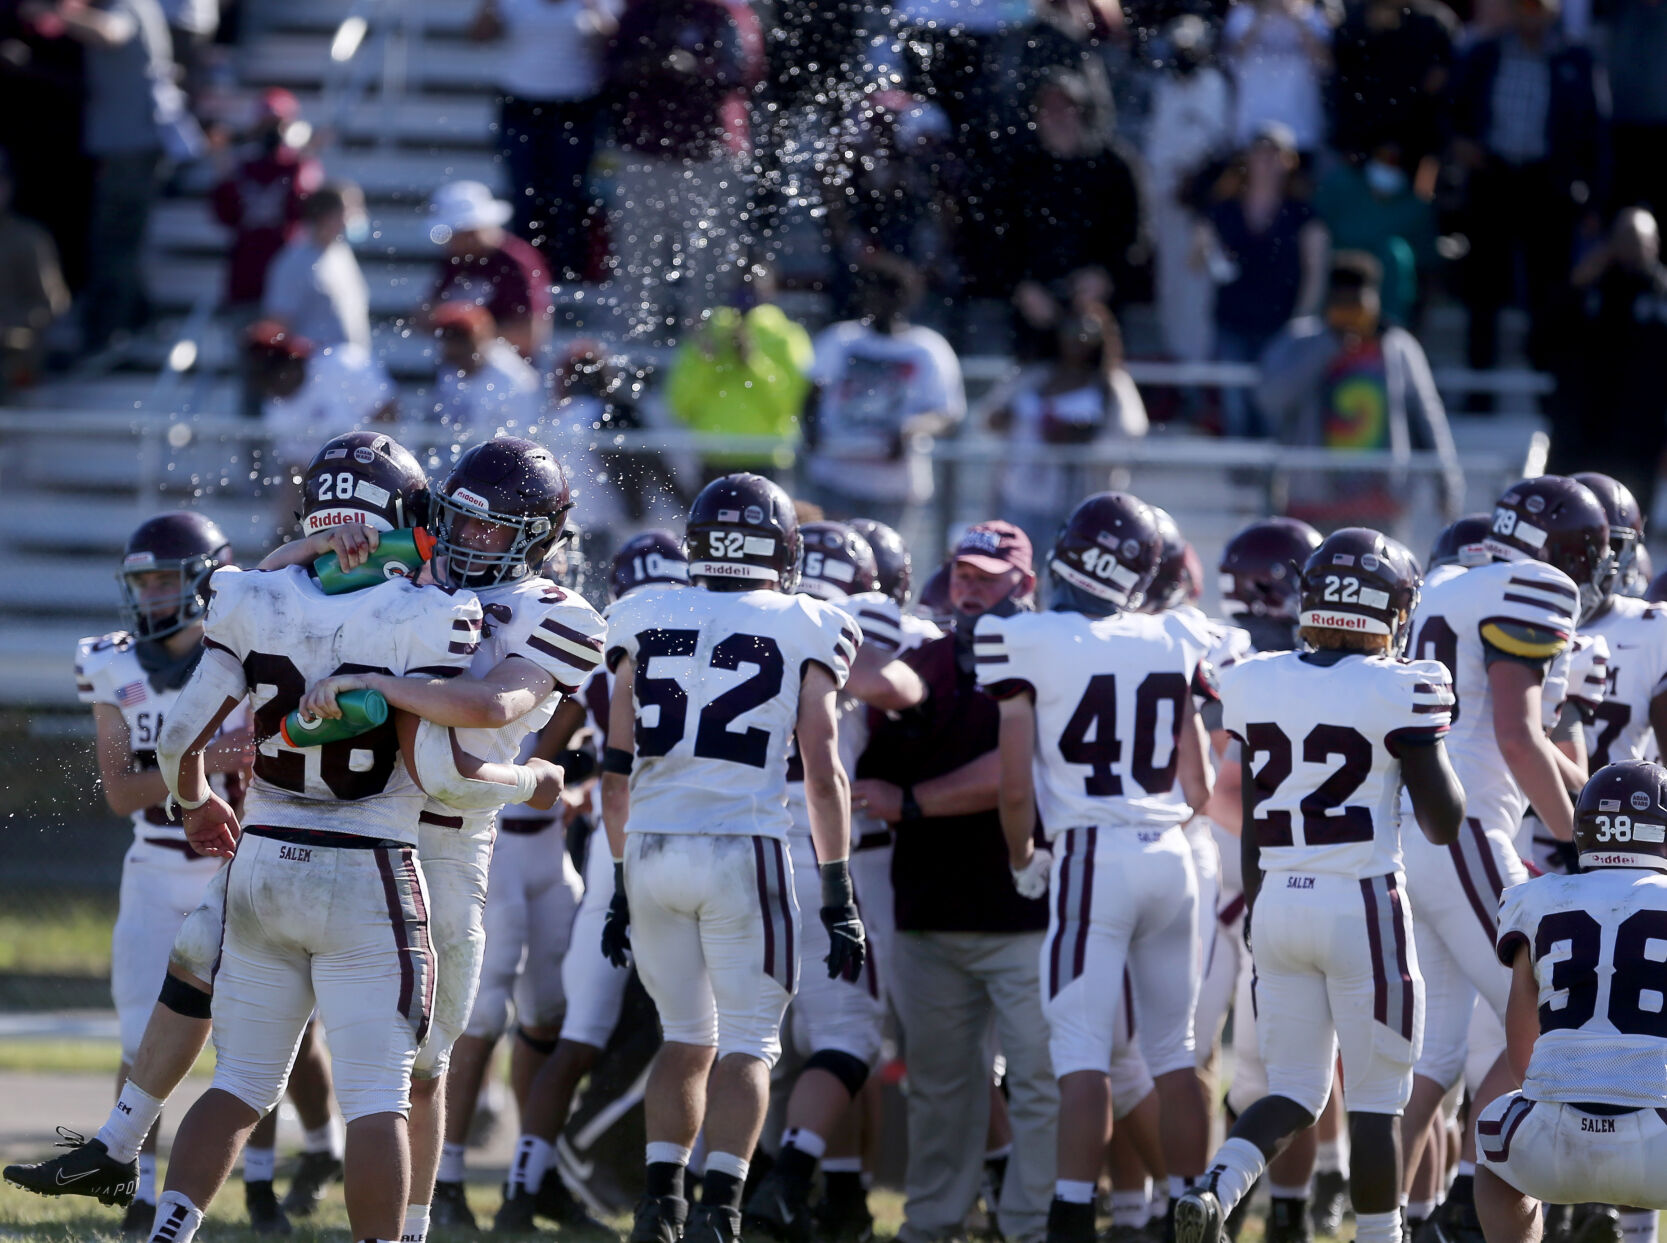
(463, 206)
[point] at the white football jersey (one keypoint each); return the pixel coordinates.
(1598, 941)
(287, 635)
(716, 691)
(556, 630)
(107, 671)
(1523, 609)
(1323, 731)
(1110, 695)
(1636, 632)
(1227, 643)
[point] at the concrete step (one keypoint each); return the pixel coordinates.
(35, 519)
(37, 656)
(303, 60)
(180, 282)
(437, 18)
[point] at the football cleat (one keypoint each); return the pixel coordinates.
(316, 1171)
(1198, 1216)
(556, 1202)
(843, 1220)
(1331, 1202)
(266, 1216)
(710, 1224)
(1596, 1223)
(87, 1169)
(659, 1219)
(1288, 1222)
(139, 1220)
(780, 1209)
(450, 1207)
(1070, 1223)
(515, 1215)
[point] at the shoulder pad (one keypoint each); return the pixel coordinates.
(93, 656)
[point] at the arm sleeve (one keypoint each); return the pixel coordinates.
(217, 678)
(1516, 922)
(1535, 616)
(999, 658)
(1420, 706)
(563, 636)
(436, 766)
(91, 657)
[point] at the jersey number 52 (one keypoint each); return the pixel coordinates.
(714, 740)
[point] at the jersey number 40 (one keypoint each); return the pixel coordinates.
(1096, 713)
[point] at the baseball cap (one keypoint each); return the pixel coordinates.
(995, 547)
(462, 207)
(470, 317)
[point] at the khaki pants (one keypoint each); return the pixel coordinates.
(949, 988)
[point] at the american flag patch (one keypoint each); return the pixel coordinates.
(132, 693)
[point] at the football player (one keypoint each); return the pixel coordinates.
(1328, 738)
(495, 520)
(1496, 628)
(1584, 1023)
(719, 681)
(1458, 547)
(593, 986)
(324, 904)
(835, 1022)
(1100, 736)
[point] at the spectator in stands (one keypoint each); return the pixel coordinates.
(550, 113)
(481, 385)
(1061, 36)
(1190, 125)
(1081, 396)
(1371, 204)
(680, 72)
(1638, 87)
(1613, 363)
(967, 952)
(191, 27)
(1528, 131)
(1278, 52)
(1392, 60)
(1075, 222)
(744, 371)
(1347, 380)
(315, 288)
(132, 99)
(260, 199)
(32, 290)
(879, 382)
(1265, 249)
(485, 265)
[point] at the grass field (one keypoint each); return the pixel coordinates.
(61, 937)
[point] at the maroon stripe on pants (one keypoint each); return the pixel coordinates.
(1059, 930)
(764, 908)
(1080, 950)
(1490, 865)
(1474, 895)
(1128, 1005)
(785, 897)
(1231, 911)
(1374, 942)
(396, 917)
(422, 942)
(1399, 920)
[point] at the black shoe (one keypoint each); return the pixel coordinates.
(1331, 1202)
(659, 1219)
(265, 1215)
(1454, 1222)
(1596, 1223)
(87, 1169)
(843, 1219)
(139, 1220)
(780, 1208)
(1559, 1223)
(1198, 1215)
(710, 1224)
(450, 1208)
(556, 1202)
(1070, 1223)
(316, 1171)
(1288, 1222)
(515, 1214)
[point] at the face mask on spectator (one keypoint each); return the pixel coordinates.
(1384, 179)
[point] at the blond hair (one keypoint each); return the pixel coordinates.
(1330, 638)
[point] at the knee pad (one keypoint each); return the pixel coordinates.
(185, 999)
(545, 1047)
(851, 1071)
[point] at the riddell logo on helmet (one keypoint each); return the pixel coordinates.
(1337, 621)
(465, 497)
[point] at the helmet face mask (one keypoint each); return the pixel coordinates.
(1620, 818)
(1626, 528)
(1261, 568)
(182, 544)
(1176, 581)
(499, 513)
(1105, 555)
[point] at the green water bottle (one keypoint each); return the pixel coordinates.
(361, 711)
(399, 554)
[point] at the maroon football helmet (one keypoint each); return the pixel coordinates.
(185, 543)
(1620, 818)
(1626, 526)
(891, 557)
(363, 477)
(1558, 521)
(837, 562)
(1460, 542)
(742, 531)
(1361, 581)
(1179, 576)
(508, 482)
(648, 557)
(1105, 555)
(1261, 568)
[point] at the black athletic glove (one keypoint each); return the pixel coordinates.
(616, 929)
(848, 947)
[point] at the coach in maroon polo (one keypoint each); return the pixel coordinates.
(968, 947)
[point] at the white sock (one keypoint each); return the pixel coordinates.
(1158, 1206)
(526, 1171)
(727, 1163)
(1235, 1170)
(147, 1178)
(662, 1153)
(323, 1139)
(451, 1163)
(1377, 1227)
(806, 1141)
(995, 1154)
(1465, 1167)
(1178, 1186)
(134, 1114)
(1331, 1158)
(1291, 1193)
(415, 1229)
(177, 1219)
(1128, 1208)
(259, 1164)
(1418, 1210)
(1638, 1225)
(1073, 1191)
